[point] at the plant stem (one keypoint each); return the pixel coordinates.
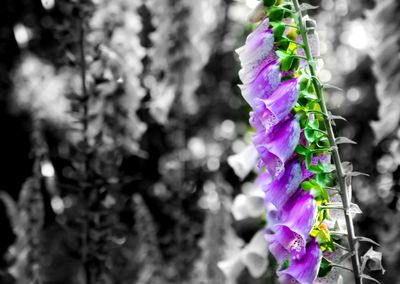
(85, 229)
(331, 137)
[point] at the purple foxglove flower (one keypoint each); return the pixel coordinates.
(263, 86)
(259, 44)
(290, 234)
(270, 111)
(279, 190)
(248, 74)
(276, 147)
(304, 270)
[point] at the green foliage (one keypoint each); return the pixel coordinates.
(269, 3)
(317, 190)
(325, 267)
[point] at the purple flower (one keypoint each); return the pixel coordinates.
(279, 190)
(277, 146)
(263, 85)
(270, 111)
(259, 45)
(290, 232)
(249, 73)
(304, 270)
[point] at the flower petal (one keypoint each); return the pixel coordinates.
(293, 243)
(243, 162)
(292, 226)
(276, 147)
(259, 44)
(304, 270)
(278, 191)
(263, 85)
(279, 104)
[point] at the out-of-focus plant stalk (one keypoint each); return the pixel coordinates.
(341, 176)
(85, 101)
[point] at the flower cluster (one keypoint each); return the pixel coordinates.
(273, 91)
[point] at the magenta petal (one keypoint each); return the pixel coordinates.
(279, 190)
(249, 73)
(295, 222)
(263, 86)
(304, 270)
(293, 243)
(299, 212)
(279, 104)
(279, 252)
(277, 146)
(259, 44)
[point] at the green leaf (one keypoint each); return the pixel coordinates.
(309, 156)
(281, 54)
(325, 240)
(287, 62)
(301, 150)
(316, 190)
(325, 267)
(314, 169)
(307, 95)
(307, 185)
(275, 14)
(321, 179)
(269, 3)
(286, 12)
(295, 64)
(286, 264)
(326, 168)
(283, 43)
(309, 134)
(279, 30)
(303, 121)
(314, 124)
(304, 83)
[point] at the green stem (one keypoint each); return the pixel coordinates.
(331, 137)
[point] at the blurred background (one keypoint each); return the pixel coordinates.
(124, 179)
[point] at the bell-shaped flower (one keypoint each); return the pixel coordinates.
(290, 235)
(276, 147)
(231, 268)
(259, 44)
(249, 73)
(255, 255)
(279, 190)
(263, 85)
(244, 162)
(304, 270)
(270, 111)
(257, 14)
(247, 206)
